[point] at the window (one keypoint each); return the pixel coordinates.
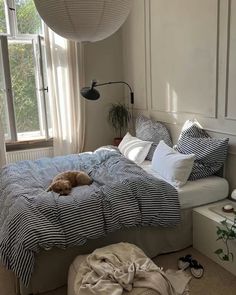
(3, 24)
(24, 107)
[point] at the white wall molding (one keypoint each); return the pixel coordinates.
(192, 45)
(227, 59)
(231, 64)
(148, 55)
(158, 100)
(134, 61)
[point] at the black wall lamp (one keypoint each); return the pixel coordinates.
(92, 94)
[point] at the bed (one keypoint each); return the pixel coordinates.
(161, 234)
(154, 240)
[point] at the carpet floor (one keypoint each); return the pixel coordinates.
(216, 280)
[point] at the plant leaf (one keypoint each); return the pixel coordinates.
(225, 257)
(224, 222)
(218, 251)
(119, 117)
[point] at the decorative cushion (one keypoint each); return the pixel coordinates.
(174, 167)
(210, 152)
(150, 130)
(192, 128)
(134, 149)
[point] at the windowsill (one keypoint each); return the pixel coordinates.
(29, 144)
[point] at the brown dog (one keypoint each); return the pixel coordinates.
(64, 182)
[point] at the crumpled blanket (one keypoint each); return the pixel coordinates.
(121, 267)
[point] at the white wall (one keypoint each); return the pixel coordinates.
(103, 61)
(180, 57)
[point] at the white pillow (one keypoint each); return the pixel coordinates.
(173, 166)
(134, 149)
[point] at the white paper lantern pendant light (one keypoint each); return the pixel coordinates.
(84, 20)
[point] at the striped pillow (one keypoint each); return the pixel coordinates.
(150, 130)
(210, 152)
(192, 129)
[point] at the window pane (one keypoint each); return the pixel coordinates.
(3, 113)
(49, 119)
(3, 102)
(43, 101)
(28, 19)
(3, 27)
(24, 90)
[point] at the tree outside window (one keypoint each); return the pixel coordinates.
(23, 96)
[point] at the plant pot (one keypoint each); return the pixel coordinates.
(117, 140)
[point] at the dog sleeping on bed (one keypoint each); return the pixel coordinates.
(65, 181)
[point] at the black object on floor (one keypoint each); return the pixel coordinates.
(184, 262)
(196, 269)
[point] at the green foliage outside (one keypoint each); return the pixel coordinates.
(23, 84)
(22, 67)
(2, 18)
(3, 115)
(28, 19)
(2, 92)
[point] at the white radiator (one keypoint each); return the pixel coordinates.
(32, 154)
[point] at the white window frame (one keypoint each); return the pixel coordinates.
(12, 35)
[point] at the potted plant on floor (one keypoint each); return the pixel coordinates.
(119, 117)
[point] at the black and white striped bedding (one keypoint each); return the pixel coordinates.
(210, 153)
(122, 195)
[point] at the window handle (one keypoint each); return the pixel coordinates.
(44, 89)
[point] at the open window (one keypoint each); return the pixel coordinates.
(24, 107)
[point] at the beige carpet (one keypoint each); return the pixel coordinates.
(216, 280)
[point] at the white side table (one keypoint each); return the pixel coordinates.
(205, 223)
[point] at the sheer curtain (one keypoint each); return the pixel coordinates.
(2, 147)
(65, 66)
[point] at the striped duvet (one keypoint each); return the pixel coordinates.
(122, 195)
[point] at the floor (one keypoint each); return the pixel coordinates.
(216, 280)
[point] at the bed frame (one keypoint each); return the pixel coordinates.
(51, 267)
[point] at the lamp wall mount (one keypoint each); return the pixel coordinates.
(92, 94)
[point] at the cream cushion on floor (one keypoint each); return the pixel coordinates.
(75, 267)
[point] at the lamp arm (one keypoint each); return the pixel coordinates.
(118, 82)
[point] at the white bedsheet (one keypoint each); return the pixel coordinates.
(198, 192)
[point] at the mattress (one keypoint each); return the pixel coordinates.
(198, 192)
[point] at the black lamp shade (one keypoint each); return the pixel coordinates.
(90, 93)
